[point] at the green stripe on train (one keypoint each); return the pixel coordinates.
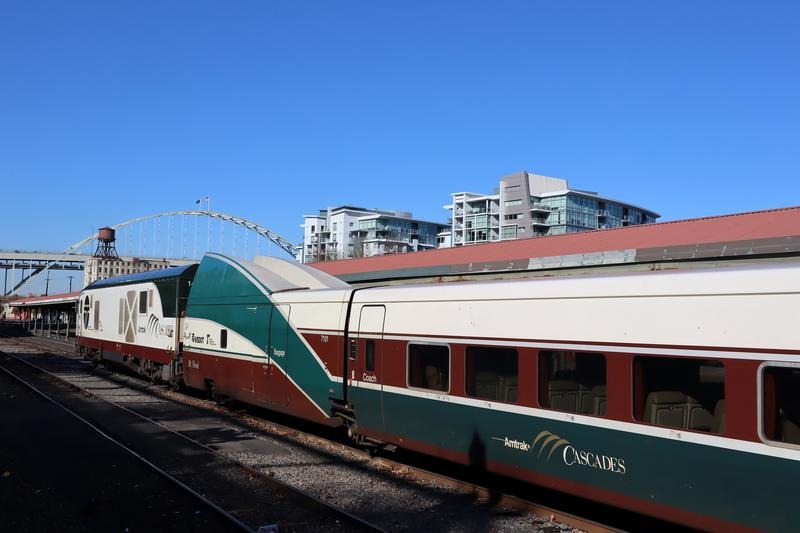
(751, 489)
(222, 293)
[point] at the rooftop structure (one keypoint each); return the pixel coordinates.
(98, 268)
(532, 205)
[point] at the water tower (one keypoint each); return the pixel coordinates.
(106, 237)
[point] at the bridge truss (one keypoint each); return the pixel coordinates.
(180, 236)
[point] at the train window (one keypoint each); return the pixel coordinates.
(680, 393)
(142, 302)
(87, 306)
(780, 420)
(170, 292)
(492, 373)
(429, 366)
(97, 315)
(223, 338)
(574, 382)
(369, 356)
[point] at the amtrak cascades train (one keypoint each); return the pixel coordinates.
(671, 394)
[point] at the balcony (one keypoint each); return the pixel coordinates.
(540, 208)
(538, 221)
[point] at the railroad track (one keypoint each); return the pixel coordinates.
(163, 473)
(554, 519)
(308, 514)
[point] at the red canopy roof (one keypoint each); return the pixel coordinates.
(53, 298)
(720, 229)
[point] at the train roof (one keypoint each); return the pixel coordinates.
(291, 275)
(779, 278)
(221, 276)
(183, 272)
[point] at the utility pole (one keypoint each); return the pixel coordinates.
(47, 284)
(208, 223)
(70, 282)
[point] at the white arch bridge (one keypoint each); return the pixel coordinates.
(178, 236)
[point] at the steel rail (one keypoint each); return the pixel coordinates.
(502, 499)
(225, 514)
(249, 469)
(507, 500)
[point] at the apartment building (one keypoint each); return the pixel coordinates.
(348, 231)
(532, 205)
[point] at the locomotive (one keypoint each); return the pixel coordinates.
(672, 394)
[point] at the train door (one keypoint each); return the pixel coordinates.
(278, 355)
(366, 362)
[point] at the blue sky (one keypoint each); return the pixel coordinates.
(112, 110)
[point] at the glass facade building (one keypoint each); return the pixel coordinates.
(346, 231)
(532, 205)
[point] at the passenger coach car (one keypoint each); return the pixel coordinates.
(671, 394)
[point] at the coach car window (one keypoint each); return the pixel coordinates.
(781, 404)
(353, 349)
(492, 373)
(223, 338)
(680, 393)
(369, 356)
(142, 302)
(429, 366)
(573, 381)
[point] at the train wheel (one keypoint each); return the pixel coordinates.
(176, 382)
(211, 390)
(352, 431)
